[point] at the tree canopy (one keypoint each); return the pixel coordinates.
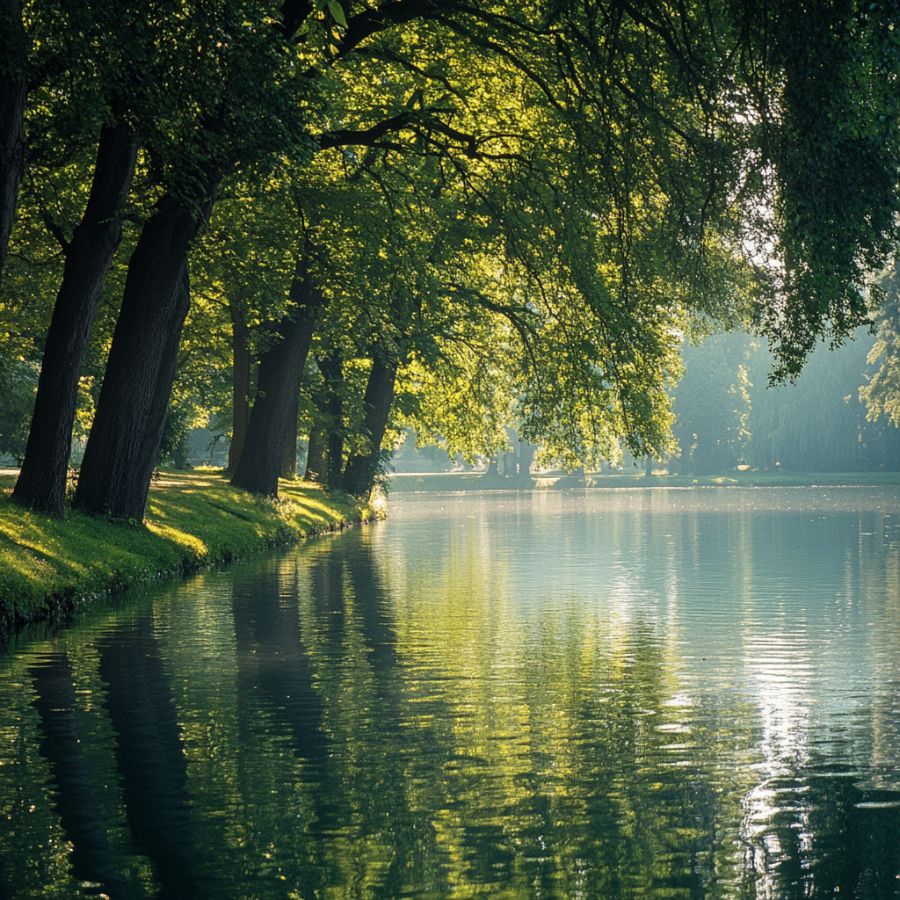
(349, 216)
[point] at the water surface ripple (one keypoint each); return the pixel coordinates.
(666, 693)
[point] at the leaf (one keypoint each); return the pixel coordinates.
(337, 13)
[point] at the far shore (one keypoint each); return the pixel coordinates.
(419, 482)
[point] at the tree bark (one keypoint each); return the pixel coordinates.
(315, 455)
(278, 383)
(13, 90)
(332, 372)
(42, 479)
(240, 383)
(148, 458)
(289, 450)
(124, 441)
(362, 468)
(526, 458)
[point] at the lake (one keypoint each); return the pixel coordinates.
(600, 693)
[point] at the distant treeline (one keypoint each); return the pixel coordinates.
(728, 414)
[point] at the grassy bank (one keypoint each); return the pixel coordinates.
(193, 519)
(473, 481)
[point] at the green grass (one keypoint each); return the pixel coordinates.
(473, 481)
(193, 519)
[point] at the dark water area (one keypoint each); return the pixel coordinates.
(664, 693)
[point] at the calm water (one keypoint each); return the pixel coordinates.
(679, 693)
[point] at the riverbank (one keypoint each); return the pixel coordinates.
(194, 519)
(476, 481)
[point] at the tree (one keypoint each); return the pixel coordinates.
(17, 387)
(277, 387)
(550, 194)
(831, 137)
(118, 94)
(712, 404)
(42, 478)
(240, 117)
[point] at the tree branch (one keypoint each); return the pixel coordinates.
(293, 14)
(55, 230)
(365, 137)
(372, 21)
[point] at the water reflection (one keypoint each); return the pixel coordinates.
(275, 676)
(149, 756)
(80, 815)
(641, 694)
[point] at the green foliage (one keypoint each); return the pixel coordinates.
(18, 381)
(831, 133)
(174, 446)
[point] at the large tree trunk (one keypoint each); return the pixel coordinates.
(359, 476)
(278, 383)
(132, 484)
(240, 383)
(159, 405)
(315, 455)
(12, 112)
(526, 458)
(289, 450)
(123, 445)
(333, 408)
(42, 480)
